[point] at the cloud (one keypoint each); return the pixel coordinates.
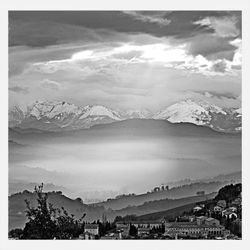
(211, 46)
(114, 59)
(222, 99)
(223, 26)
(42, 33)
(45, 28)
(237, 58)
(220, 95)
(18, 89)
(106, 62)
(157, 17)
(49, 84)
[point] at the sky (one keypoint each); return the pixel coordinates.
(125, 59)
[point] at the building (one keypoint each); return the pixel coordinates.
(143, 232)
(141, 224)
(147, 224)
(92, 229)
(201, 220)
(229, 213)
(192, 229)
(233, 209)
(212, 222)
(217, 209)
(204, 220)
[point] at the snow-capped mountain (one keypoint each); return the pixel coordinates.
(55, 116)
(16, 116)
(58, 115)
(202, 113)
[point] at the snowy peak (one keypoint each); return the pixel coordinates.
(60, 115)
(197, 112)
(203, 113)
(16, 115)
(53, 110)
(98, 110)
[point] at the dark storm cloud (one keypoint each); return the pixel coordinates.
(126, 59)
(211, 46)
(43, 28)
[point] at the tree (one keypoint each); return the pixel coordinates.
(47, 222)
(118, 218)
(229, 192)
(133, 230)
(41, 224)
(67, 226)
(16, 233)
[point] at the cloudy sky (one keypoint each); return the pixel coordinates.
(126, 60)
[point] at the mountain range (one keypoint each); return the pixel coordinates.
(63, 116)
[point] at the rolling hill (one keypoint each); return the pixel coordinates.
(93, 212)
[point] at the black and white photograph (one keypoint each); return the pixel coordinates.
(125, 125)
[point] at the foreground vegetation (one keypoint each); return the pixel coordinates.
(47, 222)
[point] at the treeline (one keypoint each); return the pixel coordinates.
(229, 192)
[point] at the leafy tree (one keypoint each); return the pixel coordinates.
(47, 222)
(41, 224)
(67, 226)
(133, 230)
(118, 218)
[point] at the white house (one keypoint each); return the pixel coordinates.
(229, 213)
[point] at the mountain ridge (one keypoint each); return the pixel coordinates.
(63, 116)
